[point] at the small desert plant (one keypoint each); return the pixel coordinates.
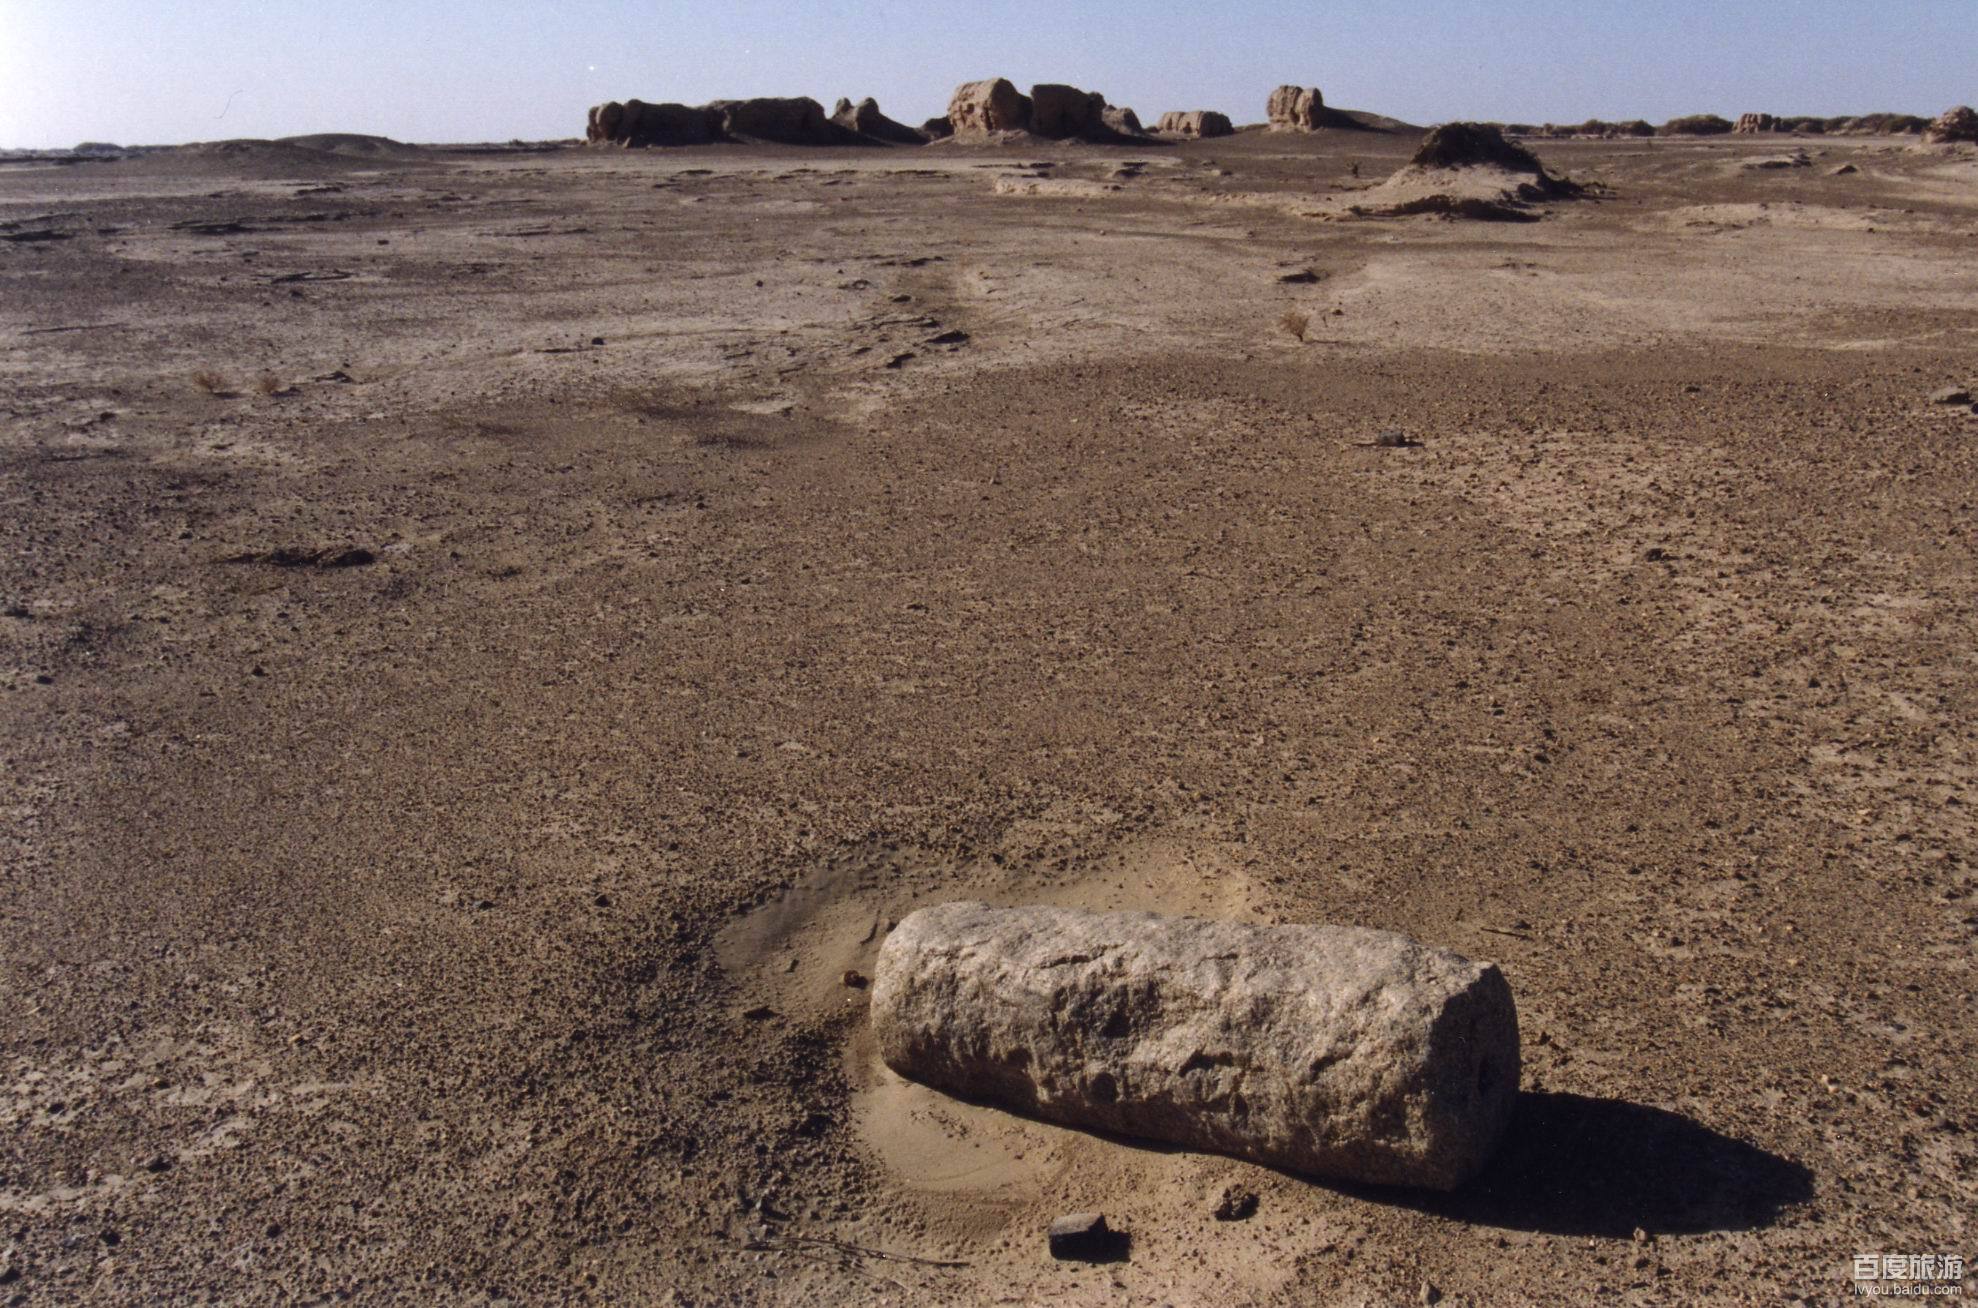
(213, 383)
(271, 385)
(1295, 322)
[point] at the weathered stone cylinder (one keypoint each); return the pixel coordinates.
(1336, 1051)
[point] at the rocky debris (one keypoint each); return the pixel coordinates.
(989, 106)
(1123, 122)
(1750, 123)
(1952, 395)
(865, 119)
(1336, 1051)
(1296, 109)
(1845, 170)
(1085, 1237)
(1952, 126)
(1202, 123)
(1235, 1204)
(1064, 111)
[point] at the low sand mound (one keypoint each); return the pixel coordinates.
(296, 156)
(1468, 170)
(353, 145)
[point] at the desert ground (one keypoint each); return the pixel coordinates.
(492, 638)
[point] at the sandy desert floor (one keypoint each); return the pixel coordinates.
(490, 639)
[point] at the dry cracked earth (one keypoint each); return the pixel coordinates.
(491, 639)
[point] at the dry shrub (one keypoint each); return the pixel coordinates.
(213, 383)
(1295, 322)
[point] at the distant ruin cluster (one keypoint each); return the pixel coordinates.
(1958, 124)
(993, 109)
(981, 110)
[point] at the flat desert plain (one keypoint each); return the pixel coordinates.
(492, 639)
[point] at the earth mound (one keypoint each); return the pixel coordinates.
(987, 107)
(1952, 126)
(1295, 109)
(1303, 109)
(353, 145)
(1472, 145)
(638, 124)
(1060, 111)
(1124, 122)
(993, 111)
(781, 120)
(1202, 123)
(866, 120)
(1469, 171)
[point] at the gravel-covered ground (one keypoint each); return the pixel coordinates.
(489, 640)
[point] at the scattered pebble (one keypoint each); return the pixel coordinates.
(855, 979)
(1235, 1204)
(1083, 1237)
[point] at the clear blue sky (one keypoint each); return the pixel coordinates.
(156, 71)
